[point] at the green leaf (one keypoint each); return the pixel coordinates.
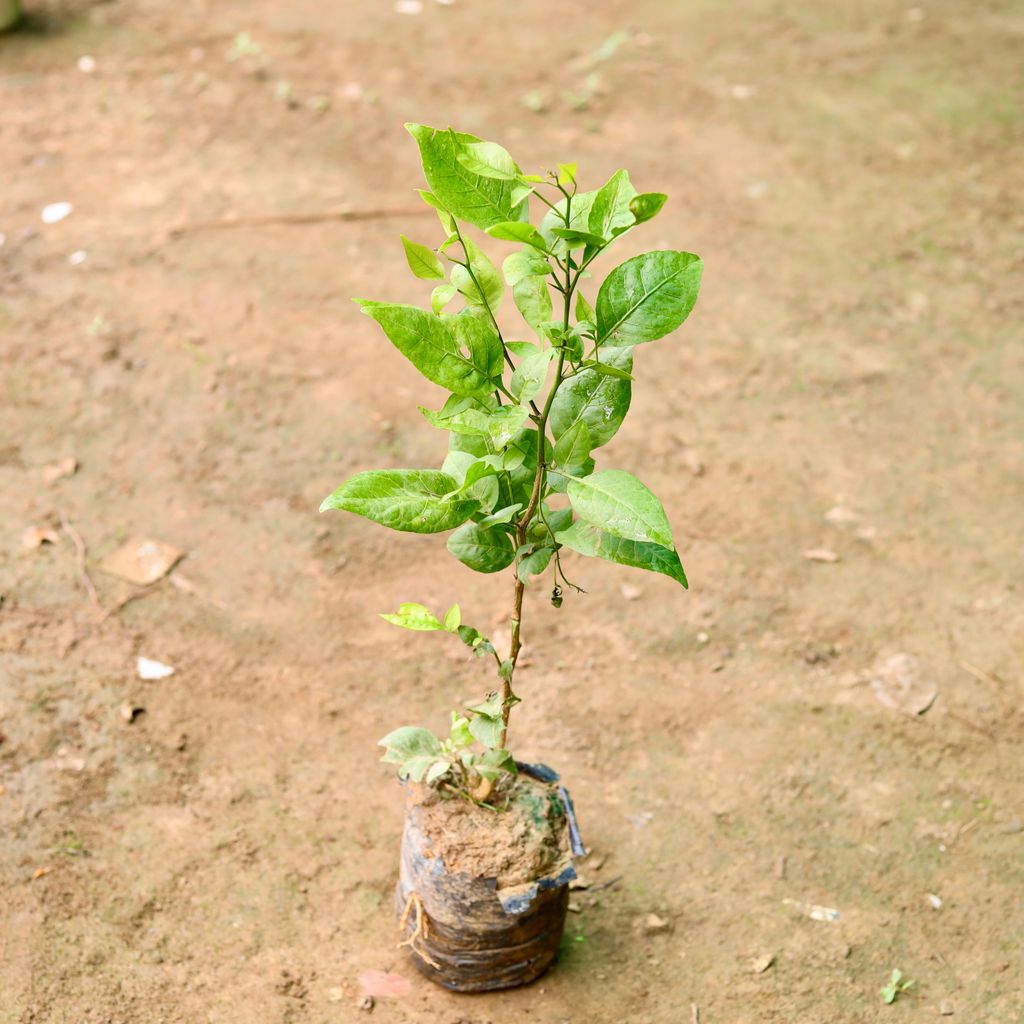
(607, 369)
(487, 159)
(494, 763)
(429, 343)
(441, 296)
(518, 265)
(533, 300)
(491, 289)
(490, 707)
(518, 231)
(610, 212)
(572, 450)
(502, 516)
(620, 505)
(411, 500)
(453, 619)
(505, 423)
(647, 205)
(486, 730)
(647, 297)
(566, 174)
(460, 734)
(600, 401)
(478, 198)
(478, 336)
(521, 192)
(529, 376)
(409, 741)
(423, 262)
(591, 540)
(481, 548)
(584, 311)
(416, 767)
(534, 563)
(437, 770)
(578, 239)
(466, 415)
(411, 615)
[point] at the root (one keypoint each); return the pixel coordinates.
(416, 941)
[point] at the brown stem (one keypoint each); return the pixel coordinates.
(523, 525)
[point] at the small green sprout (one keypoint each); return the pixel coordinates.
(896, 986)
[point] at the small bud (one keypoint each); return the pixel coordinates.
(556, 597)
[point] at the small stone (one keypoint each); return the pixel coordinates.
(575, 907)
(367, 1003)
(652, 924)
(335, 995)
(945, 1008)
(631, 592)
(762, 963)
(935, 901)
(87, 64)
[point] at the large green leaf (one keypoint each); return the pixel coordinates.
(491, 289)
(621, 505)
(429, 343)
(533, 300)
(598, 400)
(591, 540)
(647, 297)
(412, 500)
(481, 548)
(478, 198)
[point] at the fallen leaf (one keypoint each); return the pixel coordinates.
(821, 555)
(383, 983)
(149, 669)
(36, 536)
(141, 561)
(899, 685)
(65, 467)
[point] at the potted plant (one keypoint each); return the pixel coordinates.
(488, 841)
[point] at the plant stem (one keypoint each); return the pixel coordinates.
(524, 521)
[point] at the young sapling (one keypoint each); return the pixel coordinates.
(519, 484)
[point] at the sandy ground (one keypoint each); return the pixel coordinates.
(848, 174)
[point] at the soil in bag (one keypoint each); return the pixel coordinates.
(483, 892)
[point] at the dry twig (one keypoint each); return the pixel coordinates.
(76, 539)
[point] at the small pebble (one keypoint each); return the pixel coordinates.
(54, 212)
(87, 65)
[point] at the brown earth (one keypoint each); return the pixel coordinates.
(848, 172)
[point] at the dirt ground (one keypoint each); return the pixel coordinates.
(847, 172)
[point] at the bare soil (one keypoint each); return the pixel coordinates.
(219, 846)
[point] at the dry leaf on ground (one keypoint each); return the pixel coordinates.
(899, 684)
(141, 561)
